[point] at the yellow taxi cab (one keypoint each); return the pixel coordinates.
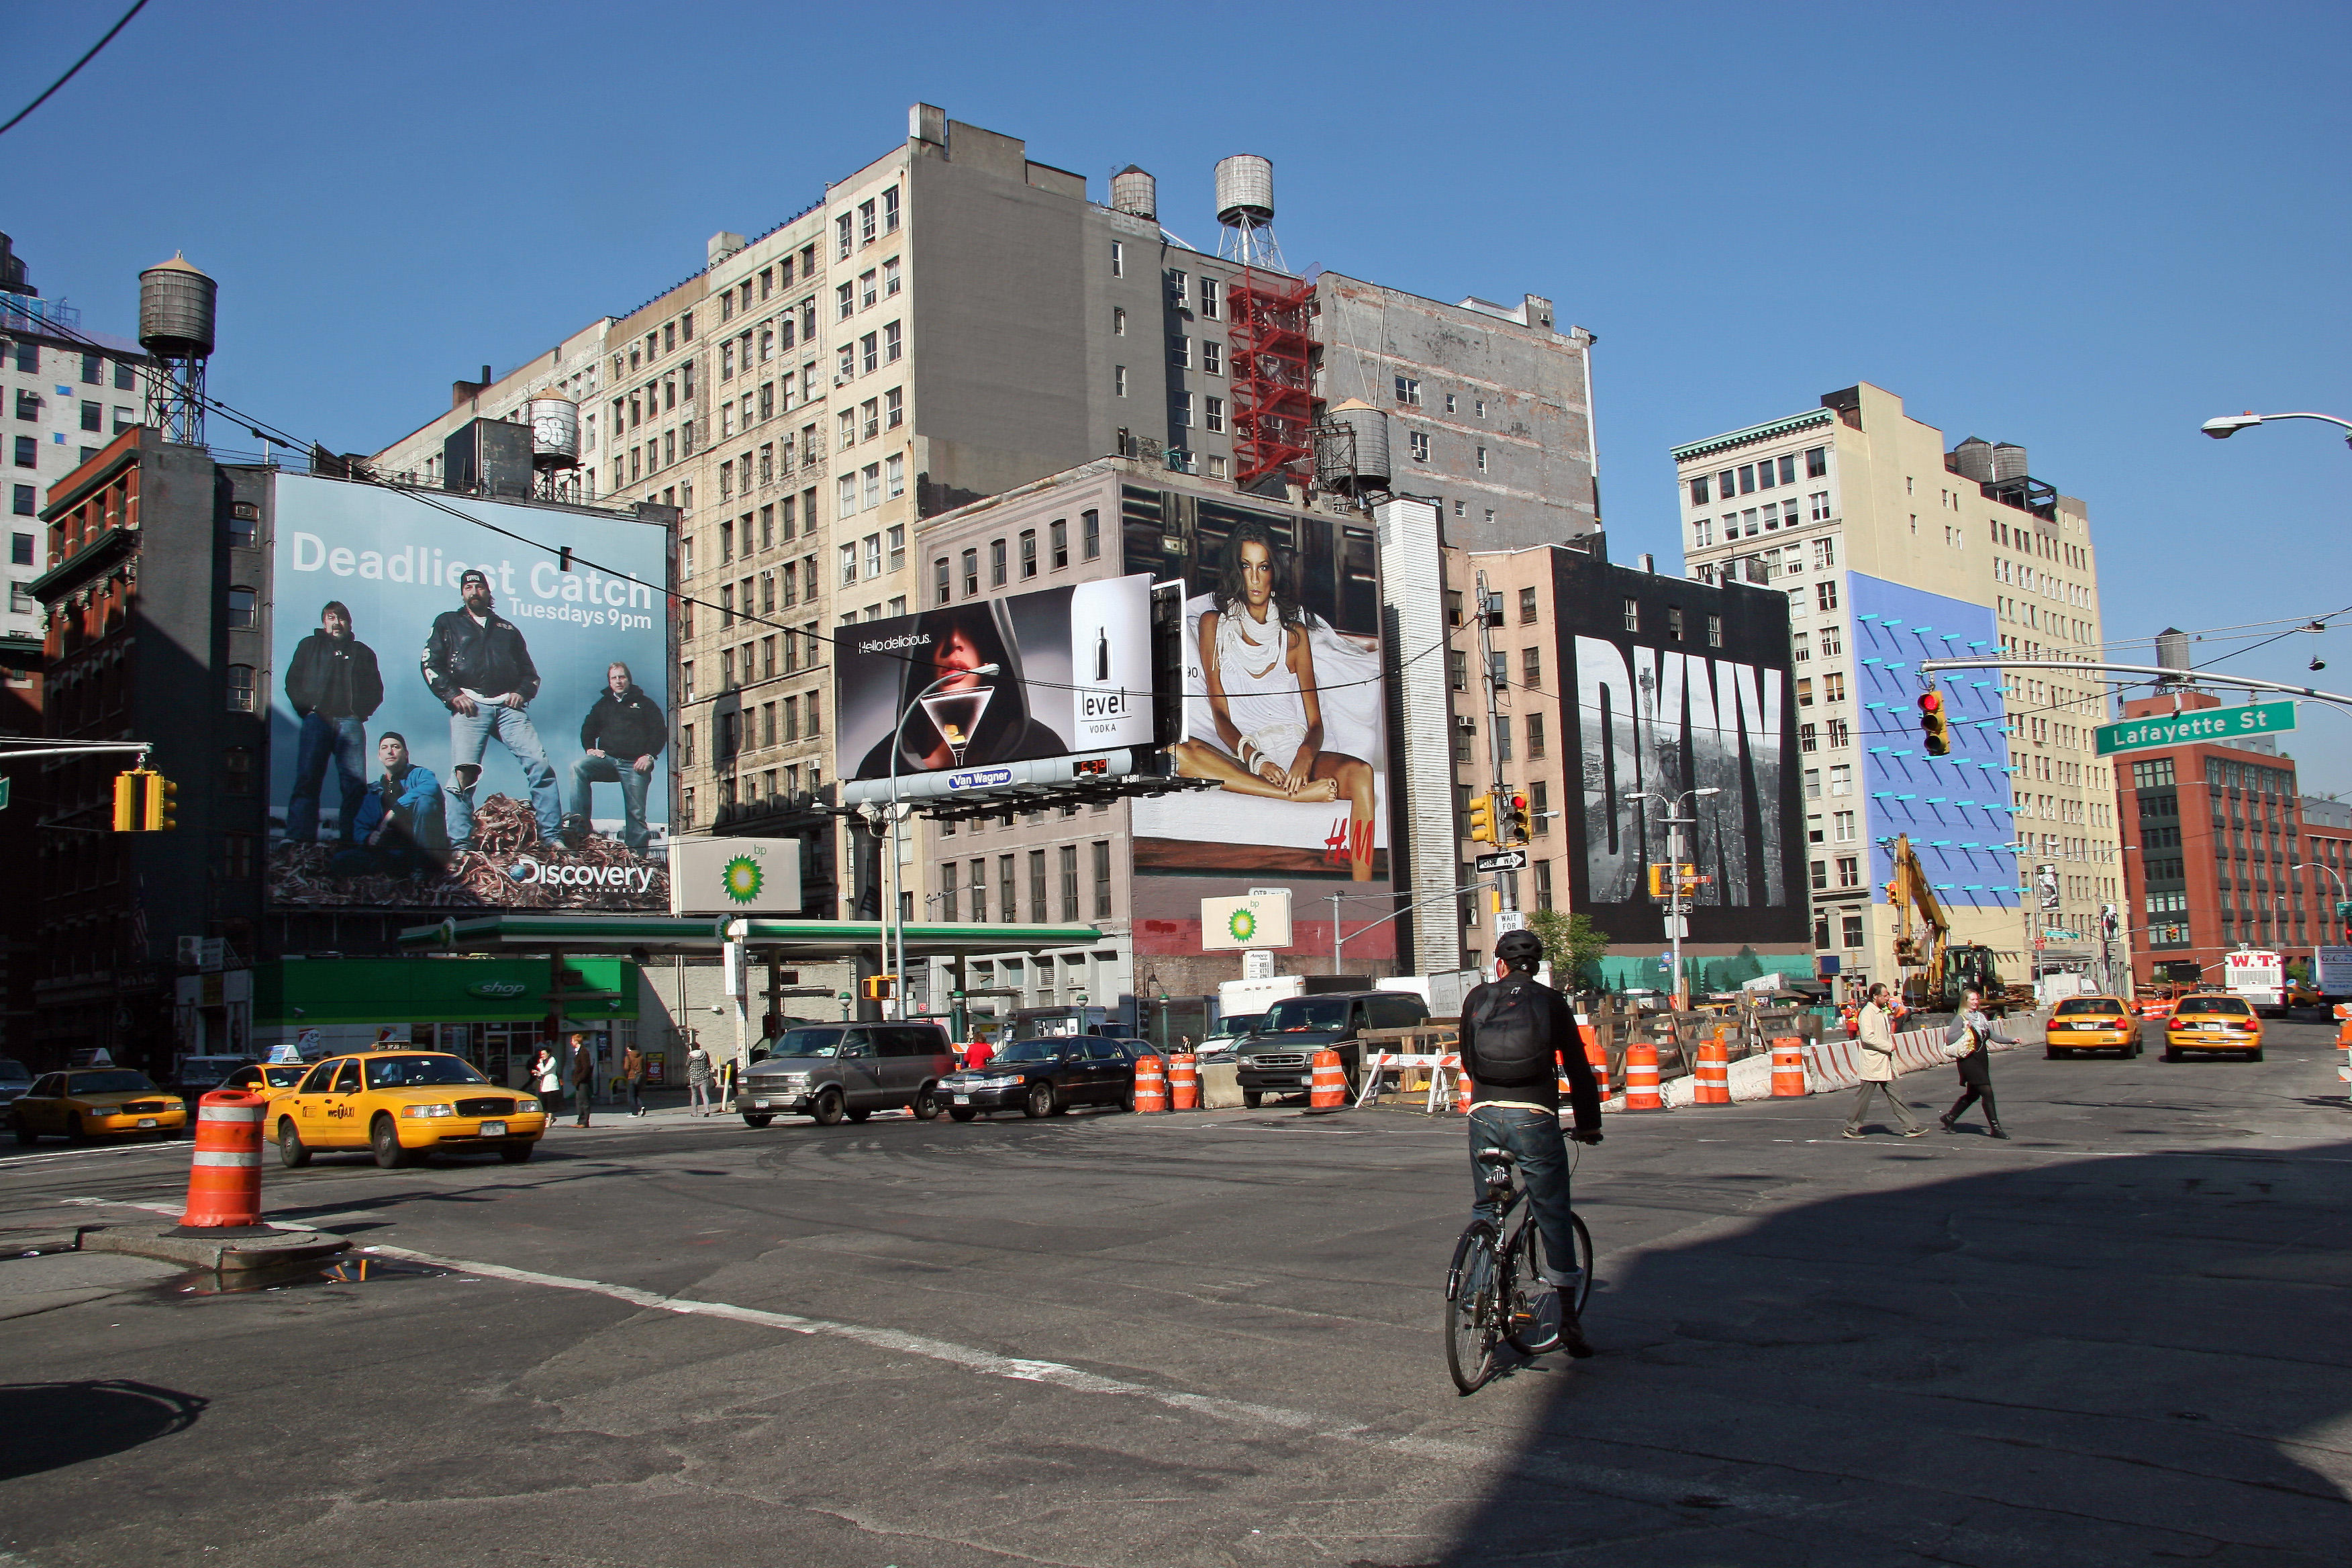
(2091, 1024)
(402, 1105)
(2211, 1023)
(97, 1102)
(270, 1080)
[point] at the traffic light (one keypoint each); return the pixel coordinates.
(1664, 883)
(1481, 818)
(877, 987)
(129, 799)
(1935, 732)
(1519, 819)
(163, 804)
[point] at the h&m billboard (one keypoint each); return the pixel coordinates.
(1663, 710)
(458, 718)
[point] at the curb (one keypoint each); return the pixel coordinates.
(226, 1255)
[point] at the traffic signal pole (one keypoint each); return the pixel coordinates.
(1506, 883)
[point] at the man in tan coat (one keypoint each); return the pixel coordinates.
(1876, 1041)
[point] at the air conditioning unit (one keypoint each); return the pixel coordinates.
(191, 950)
(1465, 721)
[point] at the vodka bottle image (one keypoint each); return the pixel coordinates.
(1110, 663)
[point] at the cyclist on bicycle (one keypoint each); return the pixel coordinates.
(1514, 1030)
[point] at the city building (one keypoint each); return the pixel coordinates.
(2221, 850)
(952, 322)
(1892, 549)
(67, 392)
(1613, 692)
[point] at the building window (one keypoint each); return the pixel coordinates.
(1532, 667)
(1408, 391)
(1842, 779)
(1633, 615)
(1817, 462)
(242, 606)
(240, 689)
(1848, 871)
(894, 408)
(1457, 669)
(1212, 357)
(1180, 352)
(1825, 595)
(1008, 903)
(1698, 496)
(947, 885)
(1117, 259)
(1102, 879)
(27, 505)
(1842, 828)
(1851, 934)
(1057, 539)
(1090, 535)
(1117, 323)
(1216, 412)
(1703, 533)
(1535, 737)
(1715, 631)
(1419, 442)
(894, 343)
(1809, 737)
(1118, 381)
(20, 546)
(1482, 460)
(970, 573)
(1209, 288)
(1028, 553)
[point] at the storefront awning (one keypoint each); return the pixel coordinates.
(313, 993)
(698, 935)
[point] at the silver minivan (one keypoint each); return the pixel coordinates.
(833, 1071)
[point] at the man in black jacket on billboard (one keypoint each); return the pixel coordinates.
(622, 735)
(477, 663)
(333, 686)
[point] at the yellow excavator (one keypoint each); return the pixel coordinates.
(1936, 970)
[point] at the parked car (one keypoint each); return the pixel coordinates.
(1048, 1074)
(1231, 1031)
(15, 1078)
(838, 1071)
(1279, 1057)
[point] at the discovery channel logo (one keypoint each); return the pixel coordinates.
(619, 879)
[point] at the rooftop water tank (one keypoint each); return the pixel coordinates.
(175, 310)
(1245, 190)
(1371, 466)
(1133, 191)
(554, 431)
(1972, 460)
(2008, 461)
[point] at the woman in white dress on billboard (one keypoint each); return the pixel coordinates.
(1259, 667)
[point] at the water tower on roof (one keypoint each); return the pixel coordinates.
(176, 325)
(1246, 210)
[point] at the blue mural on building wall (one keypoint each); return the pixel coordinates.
(1959, 809)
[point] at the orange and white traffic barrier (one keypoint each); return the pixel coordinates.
(2344, 1034)
(1598, 1058)
(1789, 1070)
(1711, 1077)
(225, 1181)
(1642, 1078)
(1327, 1085)
(1450, 1062)
(1184, 1081)
(1151, 1084)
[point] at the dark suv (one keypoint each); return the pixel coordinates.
(835, 1071)
(1279, 1057)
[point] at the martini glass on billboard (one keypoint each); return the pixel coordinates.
(956, 715)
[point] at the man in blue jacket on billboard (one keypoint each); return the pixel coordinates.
(477, 663)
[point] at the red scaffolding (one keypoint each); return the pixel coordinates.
(1274, 398)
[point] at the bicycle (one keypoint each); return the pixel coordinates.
(1488, 1297)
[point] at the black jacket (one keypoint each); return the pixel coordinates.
(1583, 1091)
(490, 657)
(335, 677)
(627, 727)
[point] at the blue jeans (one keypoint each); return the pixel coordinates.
(1533, 1138)
(588, 772)
(342, 742)
(470, 736)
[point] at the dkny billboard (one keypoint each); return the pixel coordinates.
(1675, 686)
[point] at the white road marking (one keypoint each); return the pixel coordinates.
(1629, 1484)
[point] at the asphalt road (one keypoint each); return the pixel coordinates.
(2122, 1336)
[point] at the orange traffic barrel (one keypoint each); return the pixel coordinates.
(1711, 1080)
(1642, 1078)
(1328, 1087)
(1598, 1057)
(1151, 1084)
(225, 1181)
(1184, 1081)
(1788, 1070)
(1452, 1062)
(2344, 1034)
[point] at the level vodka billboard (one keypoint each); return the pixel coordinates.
(464, 712)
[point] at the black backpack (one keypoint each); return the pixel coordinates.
(1511, 1030)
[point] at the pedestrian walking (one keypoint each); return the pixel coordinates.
(546, 1077)
(1975, 1032)
(1875, 1033)
(698, 1078)
(633, 1073)
(976, 1054)
(583, 1076)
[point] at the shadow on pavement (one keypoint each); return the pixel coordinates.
(49, 1425)
(2120, 1359)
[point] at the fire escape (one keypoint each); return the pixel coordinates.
(1273, 389)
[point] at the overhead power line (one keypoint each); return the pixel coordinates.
(75, 67)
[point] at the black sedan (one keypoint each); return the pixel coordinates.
(1047, 1076)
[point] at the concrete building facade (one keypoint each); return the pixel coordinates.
(1817, 502)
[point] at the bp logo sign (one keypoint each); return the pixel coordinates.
(742, 879)
(1243, 925)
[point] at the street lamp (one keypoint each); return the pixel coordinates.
(1675, 824)
(2229, 425)
(894, 931)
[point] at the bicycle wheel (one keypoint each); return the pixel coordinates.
(1583, 1261)
(1472, 1311)
(1531, 1308)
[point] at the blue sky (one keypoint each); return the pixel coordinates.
(2081, 227)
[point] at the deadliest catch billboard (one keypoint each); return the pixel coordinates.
(459, 718)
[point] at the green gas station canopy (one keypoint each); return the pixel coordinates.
(698, 936)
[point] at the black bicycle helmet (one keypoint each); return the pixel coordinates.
(1520, 947)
